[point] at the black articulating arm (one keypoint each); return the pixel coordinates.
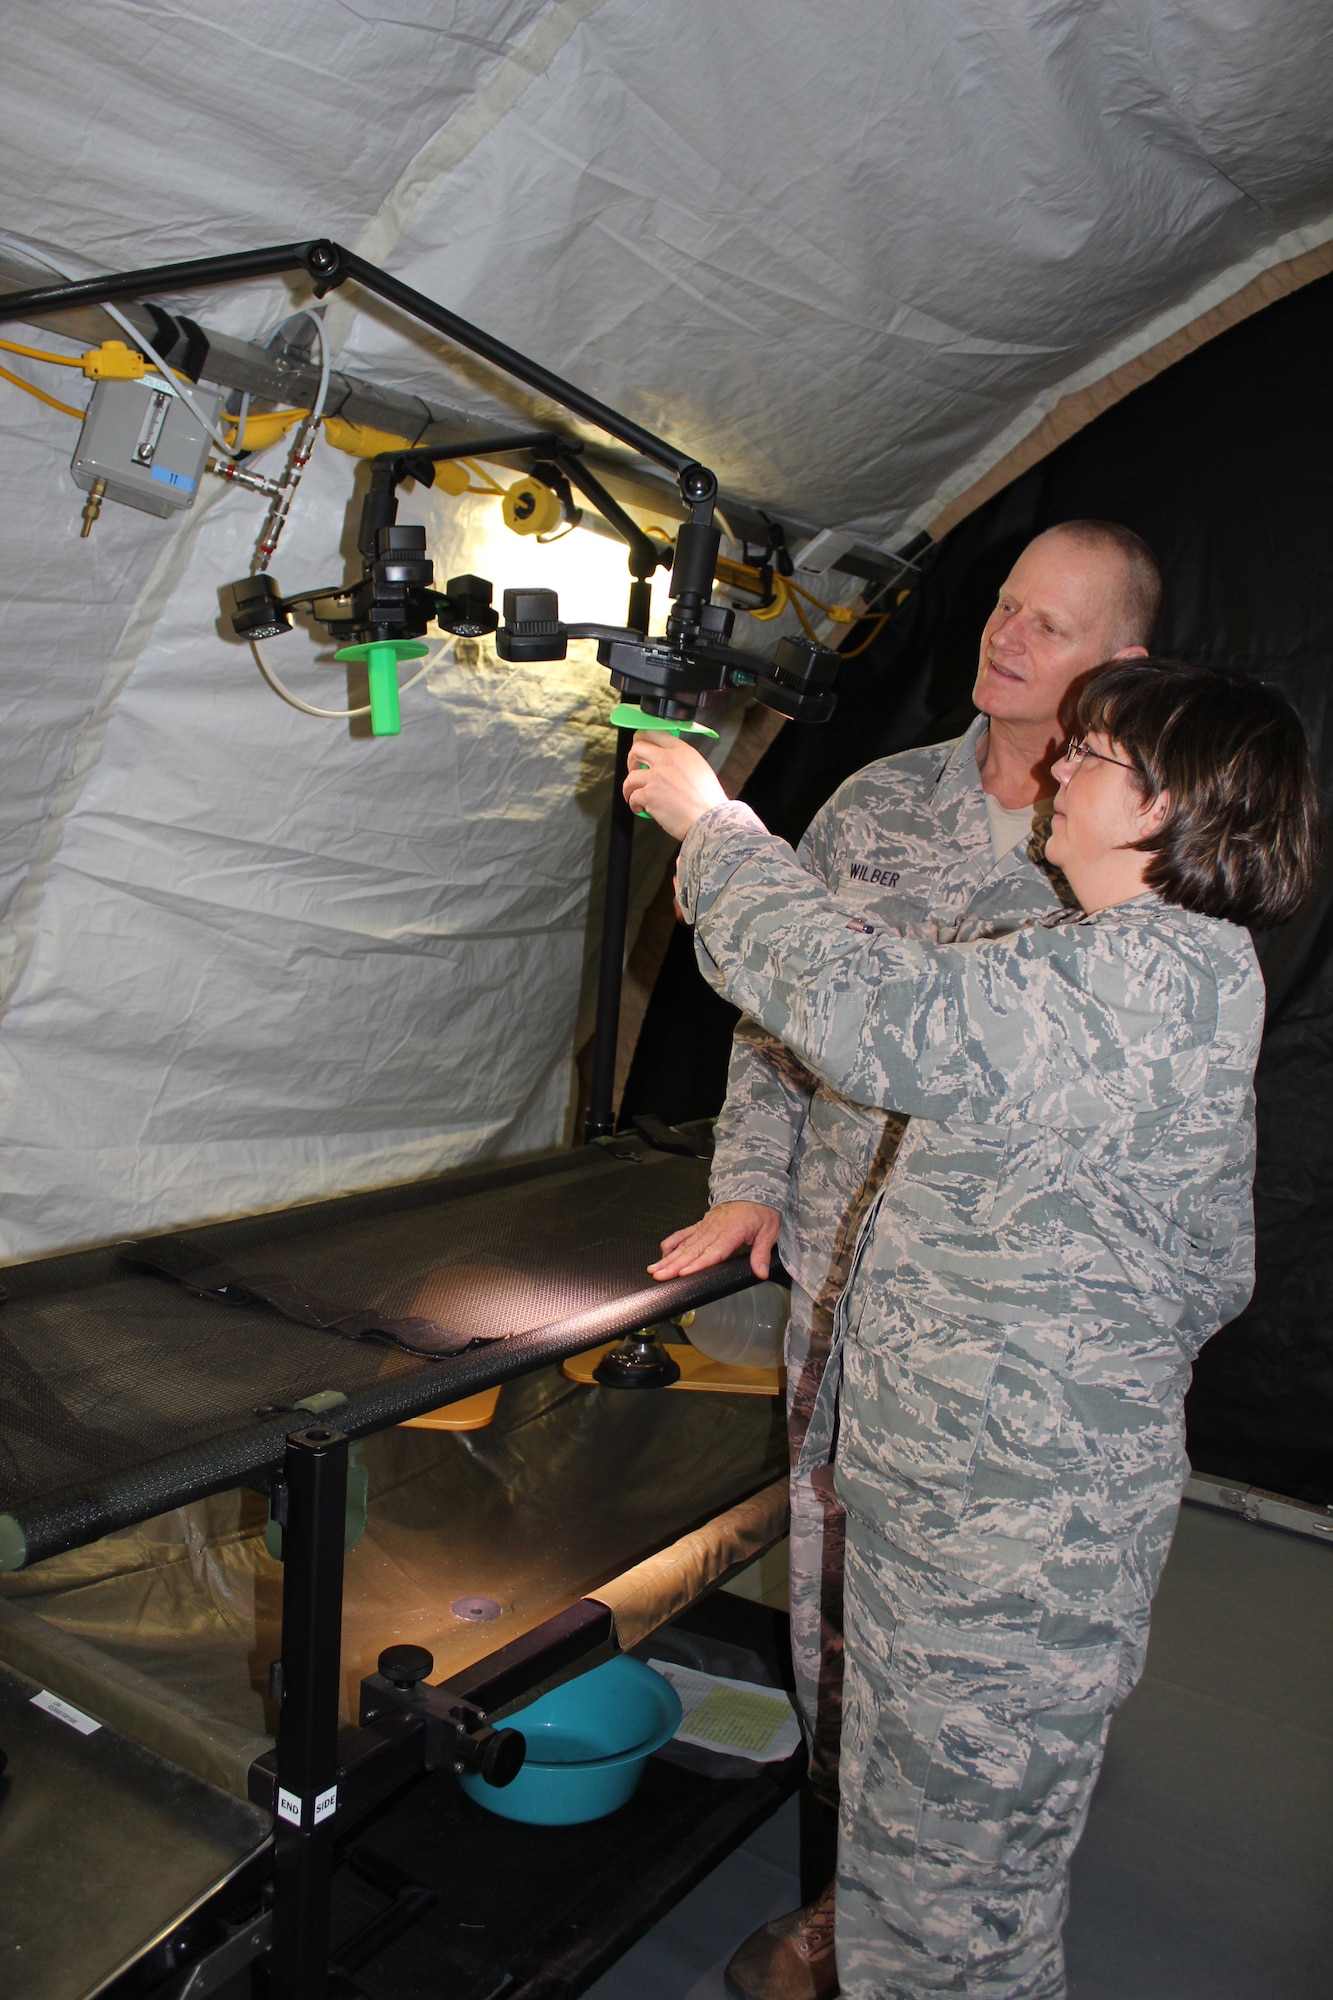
(329, 265)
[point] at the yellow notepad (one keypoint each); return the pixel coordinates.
(737, 1718)
(737, 1721)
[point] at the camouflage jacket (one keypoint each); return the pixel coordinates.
(1068, 1219)
(907, 843)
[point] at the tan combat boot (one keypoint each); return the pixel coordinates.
(789, 1959)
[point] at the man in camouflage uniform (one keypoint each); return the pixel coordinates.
(1068, 1219)
(933, 843)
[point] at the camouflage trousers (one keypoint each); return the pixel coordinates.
(974, 1729)
(815, 1575)
(817, 1518)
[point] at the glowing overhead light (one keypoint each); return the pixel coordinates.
(587, 569)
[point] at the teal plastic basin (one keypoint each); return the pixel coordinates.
(588, 1742)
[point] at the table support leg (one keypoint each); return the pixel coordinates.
(315, 1482)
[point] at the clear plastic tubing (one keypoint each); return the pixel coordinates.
(744, 1331)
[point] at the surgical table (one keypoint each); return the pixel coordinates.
(246, 1362)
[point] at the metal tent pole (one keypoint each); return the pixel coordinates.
(601, 1118)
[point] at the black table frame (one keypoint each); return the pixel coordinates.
(316, 1782)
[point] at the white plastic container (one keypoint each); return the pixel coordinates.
(745, 1330)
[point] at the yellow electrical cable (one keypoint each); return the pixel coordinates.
(787, 592)
(777, 604)
(264, 427)
(479, 471)
(40, 354)
(842, 614)
(870, 638)
(66, 409)
(805, 624)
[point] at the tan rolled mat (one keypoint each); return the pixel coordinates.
(159, 1717)
(653, 1592)
(169, 1721)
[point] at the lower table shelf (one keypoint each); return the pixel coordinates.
(539, 1913)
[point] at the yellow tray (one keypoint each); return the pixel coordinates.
(472, 1413)
(696, 1372)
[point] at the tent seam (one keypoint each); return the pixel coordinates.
(1005, 457)
(447, 148)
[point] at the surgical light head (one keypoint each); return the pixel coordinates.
(671, 678)
(663, 681)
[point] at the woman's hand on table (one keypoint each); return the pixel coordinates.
(671, 782)
(726, 1230)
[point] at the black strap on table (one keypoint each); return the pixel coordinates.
(176, 1257)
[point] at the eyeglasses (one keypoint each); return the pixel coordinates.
(1078, 748)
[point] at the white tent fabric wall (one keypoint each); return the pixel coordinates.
(270, 959)
(841, 253)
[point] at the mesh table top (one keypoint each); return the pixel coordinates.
(123, 1394)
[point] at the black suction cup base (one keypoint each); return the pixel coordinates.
(640, 1362)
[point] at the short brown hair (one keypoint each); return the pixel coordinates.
(1243, 831)
(1138, 600)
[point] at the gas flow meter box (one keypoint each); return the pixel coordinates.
(144, 441)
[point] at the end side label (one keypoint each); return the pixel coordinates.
(290, 1806)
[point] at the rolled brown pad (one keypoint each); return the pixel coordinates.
(653, 1592)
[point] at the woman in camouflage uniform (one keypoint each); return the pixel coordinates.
(1067, 1221)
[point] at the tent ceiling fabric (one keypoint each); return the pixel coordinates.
(835, 251)
(847, 255)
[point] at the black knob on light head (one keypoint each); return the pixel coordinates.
(716, 622)
(254, 606)
(466, 608)
(532, 628)
(400, 556)
(405, 1666)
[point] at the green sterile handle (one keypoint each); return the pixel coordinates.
(628, 715)
(381, 657)
(382, 679)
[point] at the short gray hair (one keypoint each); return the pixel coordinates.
(1138, 599)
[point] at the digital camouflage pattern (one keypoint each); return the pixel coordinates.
(1067, 1220)
(975, 1726)
(907, 843)
(1069, 1213)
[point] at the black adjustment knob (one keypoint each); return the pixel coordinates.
(404, 1666)
(697, 484)
(716, 621)
(502, 1758)
(323, 259)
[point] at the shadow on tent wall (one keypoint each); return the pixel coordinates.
(1222, 464)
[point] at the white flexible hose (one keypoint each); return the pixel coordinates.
(308, 708)
(325, 361)
(22, 249)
